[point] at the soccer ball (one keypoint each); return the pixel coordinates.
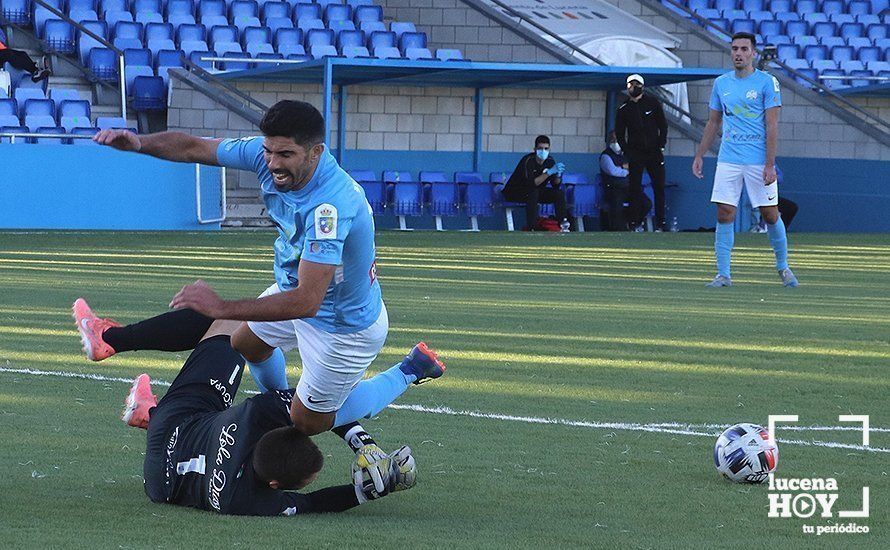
(744, 454)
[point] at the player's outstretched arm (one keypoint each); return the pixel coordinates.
(173, 146)
(715, 120)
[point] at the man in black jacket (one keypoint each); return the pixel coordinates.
(642, 134)
(529, 184)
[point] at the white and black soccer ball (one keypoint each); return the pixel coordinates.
(744, 454)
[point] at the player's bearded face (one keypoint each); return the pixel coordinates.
(291, 165)
(742, 53)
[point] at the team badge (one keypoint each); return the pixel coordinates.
(326, 222)
(752, 94)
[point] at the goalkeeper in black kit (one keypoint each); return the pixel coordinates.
(248, 459)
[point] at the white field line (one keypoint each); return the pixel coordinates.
(660, 427)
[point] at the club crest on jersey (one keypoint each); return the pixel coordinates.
(326, 222)
(752, 94)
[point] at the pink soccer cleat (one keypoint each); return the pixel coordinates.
(91, 329)
(139, 402)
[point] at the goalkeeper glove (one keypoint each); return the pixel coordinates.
(376, 474)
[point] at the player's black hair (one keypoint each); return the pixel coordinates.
(294, 119)
(286, 455)
(745, 35)
(541, 139)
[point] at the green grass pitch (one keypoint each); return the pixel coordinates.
(587, 329)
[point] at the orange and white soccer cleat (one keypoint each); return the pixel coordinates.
(91, 329)
(139, 402)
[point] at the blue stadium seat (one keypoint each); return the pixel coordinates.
(158, 31)
(50, 140)
(145, 17)
(850, 66)
(771, 28)
(243, 22)
(190, 46)
(243, 8)
(375, 189)
(367, 13)
(191, 32)
(760, 16)
(152, 6)
(261, 50)
(868, 19)
(23, 95)
(307, 24)
(841, 18)
(444, 54)
(319, 37)
(340, 26)
(352, 52)
(157, 46)
(418, 54)
(753, 5)
(40, 16)
(788, 51)
(407, 198)
(372, 26)
(256, 35)
(744, 25)
(859, 42)
(275, 9)
(265, 55)
(825, 28)
(379, 39)
(17, 129)
(179, 7)
(40, 107)
(694, 5)
(400, 27)
(337, 12)
(725, 5)
(318, 51)
(815, 51)
(223, 48)
(869, 54)
(112, 18)
(234, 65)
(168, 58)
(210, 21)
(287, 37)
(877, 31)
(223, 34)
(141, 56)
(386, 52)
(777, 39)
(73, 108)
(823, 64)
(833, 6)
(9, 107)
(196, 58)
(108, 122)
(325, 3)
(786, 17)
(85, 43)
(806, 40)
(732, 15)
(127, 43)
(350, 39)
(841, 54)
(584, 194)
(797, 64)
(298, 56)
(852, 30)
(443, 194)
(275, 23)
(709, 13)
(357, 3)
(127, 29)
(62, 94)
(16, 11)
(211, 7)
(859, 7)
(832, 41)
(806, 6)
(132, 71)
(36, 121)
(181, 19)
(878, 67)
(9, 120)
(305, 10)
(797, 28)
(778, 6)
(58, 36)
(860, 82)
(833, 83)
(813, 18)
(83, 131)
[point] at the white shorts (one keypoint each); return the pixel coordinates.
(728, 183)
(333, 363)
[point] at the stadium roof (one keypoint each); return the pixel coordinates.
(464, 74)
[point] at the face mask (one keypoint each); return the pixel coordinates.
(636, 91)
(615, 147)
(542, 153)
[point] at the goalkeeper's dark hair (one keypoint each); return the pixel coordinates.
(745, 36)
(286, 455)
(297, 120)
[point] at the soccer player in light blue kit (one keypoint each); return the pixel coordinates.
(747, 103)
(326, 299)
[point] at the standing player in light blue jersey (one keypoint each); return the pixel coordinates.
(747, 103)
(326, 299)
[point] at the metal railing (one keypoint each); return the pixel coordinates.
(882, 125)
(210, 77)
(13, 135)
(120, 54)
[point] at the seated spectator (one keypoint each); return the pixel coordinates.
(537, 179)
(22, 61)
(614, 171)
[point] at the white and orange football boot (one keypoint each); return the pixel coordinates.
(139, 402)
(91, 329)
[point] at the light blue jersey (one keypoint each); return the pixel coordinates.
(329, 221)
(743, 102)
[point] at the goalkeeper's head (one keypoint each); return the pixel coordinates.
(286, 458)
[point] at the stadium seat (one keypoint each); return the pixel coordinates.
(777, 6)
(151, 6)
(372, 26)
(210, 21)
(878, 31)
(108, 122)
(788, 51)
(832, 41)
(868, 19)
(275, 9)
(319, 37)
(350, 39)
(179, 7)
(833, 83)
(9, 107)
(367, 14)
(860, 82)
(852, 30)
(443, 196)
(58, 36)
(191, 32)
(112, 18)
(256, 35)
(39, 107)
(306, 11)
(760, 16)
(196, 58)
(287, 37)
(400, 28)
(243, 8)
(149, 94)
(724, 5)
(132, 71)
(859, 42)
(307, 24)
(40, 16)
(806, 6)
(318, 51)
(878, 67)
(190, 46)
(325, 3)
(146, 17)
(127, 43)
(776, 40)
(157, 46)
(797, 28)
(223, 34)
(16, 11)
(259, 50)
(244, 22)
(15, 129)
(342, 25)
(73, 108)
(23, 95)
(443, 54)
(386, 52)
(744, 25)
(841, 18)
(859, 7)
(275, 23)
(158, 31)
(823, 64)
(211, 7)
(869, 54)
(815, 51)
(418, 54)
(127, 29)
(352, 52)
(806, 40)
(288, 50)
(337, 12)
(832, 6)
(841, 54)
(786, 17)
(233, 65)
(86, 43)
(181, 19)
(380, 39)
(407, 200)
(83, 131)
(51, 140)
(375, 189)
(37, 121)
(732, 15)
(823, 29)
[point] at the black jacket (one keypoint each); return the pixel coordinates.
(525, 173)
(640, 126)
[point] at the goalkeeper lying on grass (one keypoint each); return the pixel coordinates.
(245, 460)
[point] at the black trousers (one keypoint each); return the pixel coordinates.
(18, 59)
(539, 194)
(788, 209)
(654, 164)
(616, 197)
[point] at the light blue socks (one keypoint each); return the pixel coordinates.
(723, 242)
(373, 395)
(779, 241)
(270, 374)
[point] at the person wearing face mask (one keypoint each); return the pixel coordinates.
(614, 172)
(641, 130)
(538, 179)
